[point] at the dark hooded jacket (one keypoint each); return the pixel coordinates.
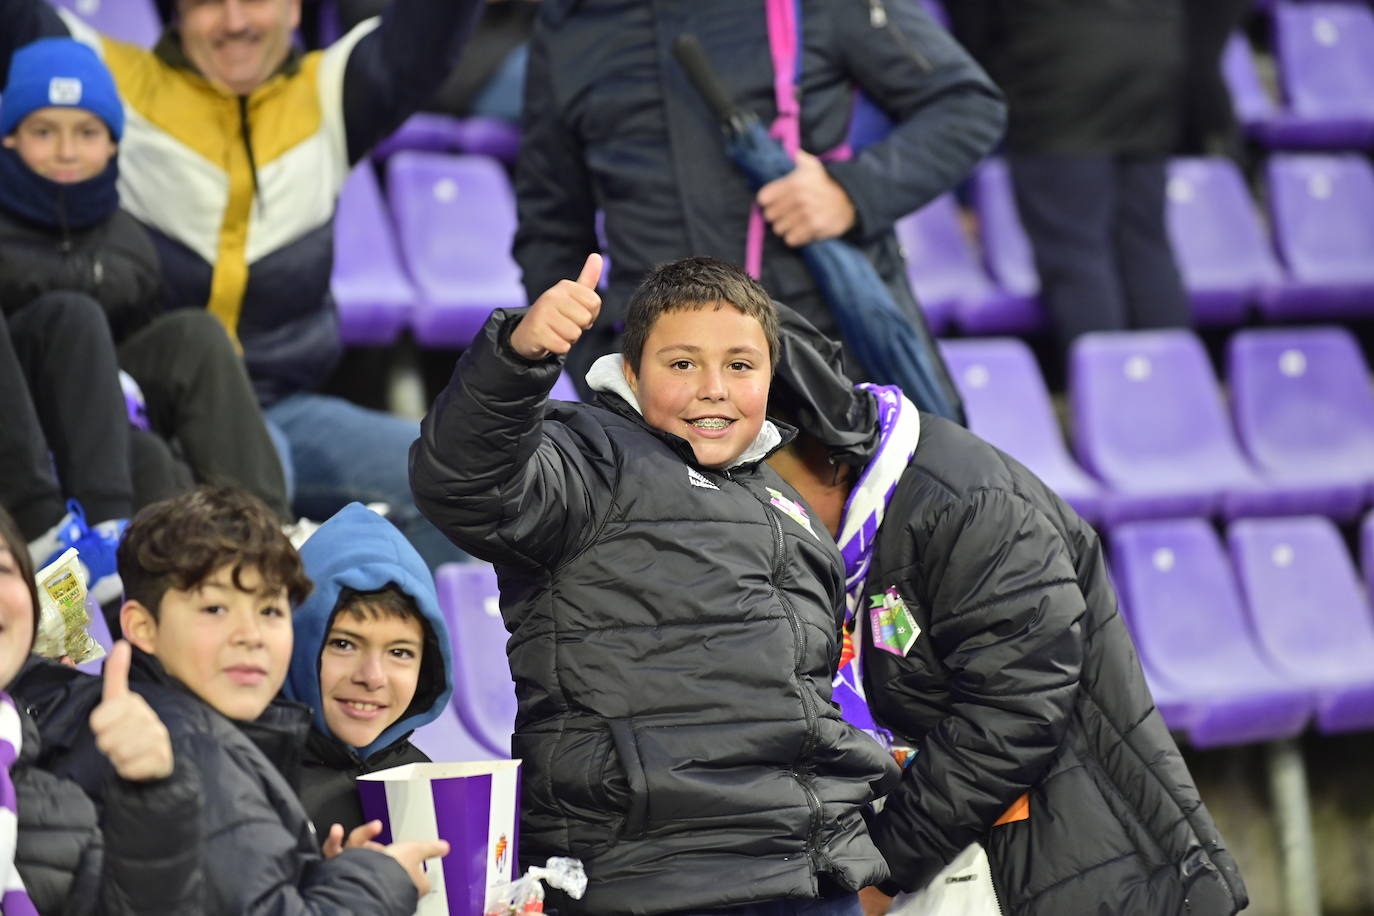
(74, 238)
(259, 850)
(1023, 680)
(612, 124)
(360, 550)
(142, 856)
(673, 629)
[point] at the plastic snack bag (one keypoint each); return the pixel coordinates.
(526, 894)
(62, 612)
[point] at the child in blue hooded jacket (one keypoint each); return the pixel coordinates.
(371, 658)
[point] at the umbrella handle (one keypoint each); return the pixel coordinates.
(692, 57)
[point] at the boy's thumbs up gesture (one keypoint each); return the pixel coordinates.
(558, 317)
(125, 727)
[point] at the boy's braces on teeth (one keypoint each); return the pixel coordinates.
(711, 423)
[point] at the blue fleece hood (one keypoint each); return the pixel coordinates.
(359, 549)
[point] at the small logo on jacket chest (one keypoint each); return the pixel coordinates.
(792, 510)
(698, 479)
(894, 627)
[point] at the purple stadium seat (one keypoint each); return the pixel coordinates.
(1325, 57)
(493, 137)
(134, 21)
(483, 694)
(423, 131)
(563, 389)
(1222, 250)
(1322, 212)
(1185, 614)
(939, 262)
(1007, 404)
(1304, 410)
(1367, 552)
(455, 218)
(1255, 108)
(1310, 613)
(1148, 421)
(1007, 253)
(373, 294)
(446, 741)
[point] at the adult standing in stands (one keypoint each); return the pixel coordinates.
(1093, 108)
(612, 123)
(235, 147)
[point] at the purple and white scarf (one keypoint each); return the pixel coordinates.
(15, 900)
(900, 427)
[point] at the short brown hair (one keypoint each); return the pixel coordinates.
(180, 542)
(389, 601)
(694, 283)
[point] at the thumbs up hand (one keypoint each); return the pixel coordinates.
(558, 317)
(126, 729)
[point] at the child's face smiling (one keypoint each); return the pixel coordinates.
(231, 646)
(65, 145)
(704, 375)
(369, 670)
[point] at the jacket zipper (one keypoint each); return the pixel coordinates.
(877, 18)
(808, 746)
(248, 147)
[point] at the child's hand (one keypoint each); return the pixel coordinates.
(125, 727)
(412, 857)
(558, 317)
(874, 901)
(362, 835)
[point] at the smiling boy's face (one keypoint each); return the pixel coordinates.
(229, 644)
(369, 671)
(704, 375)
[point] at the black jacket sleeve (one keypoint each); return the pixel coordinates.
(1006, 614)
(553, 190)
(153, 845)
(395, 68)
(947, 113)
(490, 472)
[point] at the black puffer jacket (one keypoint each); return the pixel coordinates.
(112, 260)
(330, 769)
(260, 851)
(1025, 679)
(146, 861)
(612, 123)
(673, 639)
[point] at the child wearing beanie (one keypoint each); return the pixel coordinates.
(81, 296)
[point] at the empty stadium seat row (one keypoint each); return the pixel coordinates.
(1254, 641)
(1320, 263)
(1150, 427)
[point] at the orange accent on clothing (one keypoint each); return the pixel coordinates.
(1019, 811)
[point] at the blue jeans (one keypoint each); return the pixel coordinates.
(342, 453)
(830, 906)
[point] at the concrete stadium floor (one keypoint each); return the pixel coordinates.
(1340, 774)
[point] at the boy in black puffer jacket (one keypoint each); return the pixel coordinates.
(988, 640)
(210, 583)
(80, 287)
(673, 609)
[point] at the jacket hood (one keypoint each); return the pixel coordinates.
(359, 549)
(607, 375)
(811, 391)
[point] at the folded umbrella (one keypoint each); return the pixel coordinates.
(894, 349)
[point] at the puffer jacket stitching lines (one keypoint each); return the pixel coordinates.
(1004, 599)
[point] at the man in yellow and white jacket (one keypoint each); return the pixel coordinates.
(235, 147)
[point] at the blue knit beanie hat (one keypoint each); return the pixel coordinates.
(62, 73)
